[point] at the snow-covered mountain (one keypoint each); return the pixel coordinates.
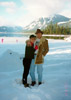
(66, 23)
(10, 28)
(43, 22)
(38, 23)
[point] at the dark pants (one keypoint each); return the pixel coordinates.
(26, 64)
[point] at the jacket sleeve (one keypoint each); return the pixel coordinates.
(45, 48)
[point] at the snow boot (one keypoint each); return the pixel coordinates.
(39, 83)
(33, 83)
(26, 85)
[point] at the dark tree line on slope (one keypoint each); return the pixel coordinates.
(56, 29)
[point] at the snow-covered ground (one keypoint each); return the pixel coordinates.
(13, 40)
(56, 74)
(68, 39)
(54, 35)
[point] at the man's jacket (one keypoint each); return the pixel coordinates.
(43, 49)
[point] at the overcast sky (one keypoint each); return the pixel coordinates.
(22, 12)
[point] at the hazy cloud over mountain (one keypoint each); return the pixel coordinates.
(22, 12)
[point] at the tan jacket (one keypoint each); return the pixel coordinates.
(43, 49)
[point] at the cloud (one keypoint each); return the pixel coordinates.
(10, 10)
(42, 8)
(66, 13)
(7, 4)
(5, 22)
(39, 8)
(30, 10)
(24, 20)
(10, 7)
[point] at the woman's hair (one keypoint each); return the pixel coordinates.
(32, 36)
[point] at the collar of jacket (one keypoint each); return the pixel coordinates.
(42, 40)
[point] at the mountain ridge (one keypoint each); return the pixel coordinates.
(44, 21)
(40, 23)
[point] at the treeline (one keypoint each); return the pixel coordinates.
(57, 29)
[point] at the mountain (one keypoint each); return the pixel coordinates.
(43, 22)
(65, 24)
(10, 29)
(40, 23)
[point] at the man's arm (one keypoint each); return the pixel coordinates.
(46, 48)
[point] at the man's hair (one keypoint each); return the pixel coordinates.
(32, 36)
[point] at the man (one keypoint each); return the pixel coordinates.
(28, 58)
(42, 48)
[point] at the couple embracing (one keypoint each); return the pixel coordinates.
(35, 50)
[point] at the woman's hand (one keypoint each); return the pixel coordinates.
(28, 43)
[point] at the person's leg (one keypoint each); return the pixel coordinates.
(39, 71)
(24, 79)
(24, 65)
(32, 70)
(27, 67)
(26, 70)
